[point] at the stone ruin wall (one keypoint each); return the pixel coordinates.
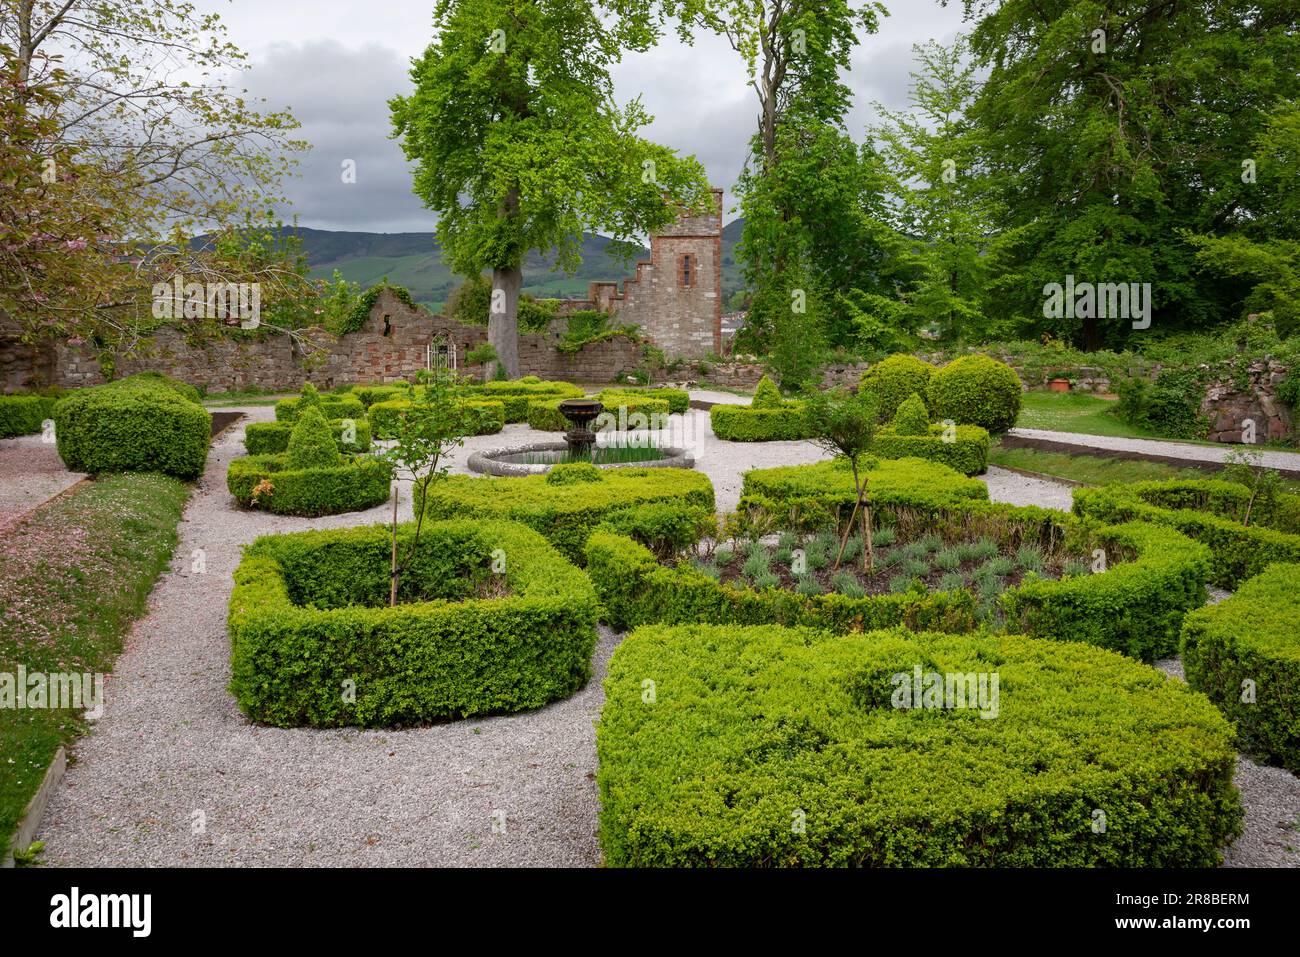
(393, 344)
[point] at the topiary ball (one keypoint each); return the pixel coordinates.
(312, 446)
(912, 417)
(895, 379)
(976, 390)
(572, 473)
(767, 395)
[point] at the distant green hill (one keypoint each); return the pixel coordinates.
(414, 260)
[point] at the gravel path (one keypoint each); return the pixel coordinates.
(31, 473)
(1182, 450)
(172, 751)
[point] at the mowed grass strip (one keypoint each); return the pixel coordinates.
(1090, 469)
(74, 575)
(1075, 412)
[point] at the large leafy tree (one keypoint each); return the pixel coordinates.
(942, 199)
(808, 191)
(144, 93)
(1258, 244)
(518, 144)
(1115, 126)
(122, 138)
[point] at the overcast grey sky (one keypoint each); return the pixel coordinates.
(337, 62)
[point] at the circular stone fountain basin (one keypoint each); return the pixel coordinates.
(538, 458)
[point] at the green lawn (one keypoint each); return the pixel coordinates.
(74, 576)
(1090, 469)
(1096, 470)
(1075, 412)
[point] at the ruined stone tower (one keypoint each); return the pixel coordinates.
(675, 297)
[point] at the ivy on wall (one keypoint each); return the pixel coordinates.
(353, 320)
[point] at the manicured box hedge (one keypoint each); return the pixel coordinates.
(635, 589)
(308, 615)
(333, 407)
(517, 395)
(742, 423)
(1155, 576)
(544, 414)
(146, 423)
(272, 438)
(374, 394)
(1238, 552)
(566, 513)
(772, 747)
(814, 494)
(679, 400)
(1248, 647)
(1136, 607)
(383, 416)
(358, 482)
(968, 453)
(24, 414)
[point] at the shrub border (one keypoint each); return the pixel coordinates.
(289, 663)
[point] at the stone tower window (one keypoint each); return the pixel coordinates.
(388, 325)
(688, 270)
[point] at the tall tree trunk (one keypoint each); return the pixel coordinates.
(503, 311)
(503, 319)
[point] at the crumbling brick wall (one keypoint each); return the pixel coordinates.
(396, 342)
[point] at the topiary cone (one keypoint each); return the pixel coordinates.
(312, 443)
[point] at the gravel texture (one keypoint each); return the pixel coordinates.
(31, 473)
(174, 775)
(1154, 447)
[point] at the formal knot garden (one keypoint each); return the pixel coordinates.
(860, 659)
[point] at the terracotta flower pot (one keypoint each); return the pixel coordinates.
(1059, 385)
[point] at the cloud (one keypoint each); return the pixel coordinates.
(340, 95)
(339, 89)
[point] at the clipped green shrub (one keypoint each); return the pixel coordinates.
(166, 382)
(1238, 552)
(271, 483)
(24, 414)
(1135, 607)
(1244, 654)
(666, 528)
(516, 395)
(564, 513)
(752, 729)
(308, 614)
(311, 444)
(817, 493)
(573, 473)
(679, 400)
(374, 394)
(742, 423)
(628, 411)
(894, 379)
(331, 406)
(976, 390)
(912, 417)
(767, 395)
(271, 438)
(146, 423)
(491, 417)
(967, 452)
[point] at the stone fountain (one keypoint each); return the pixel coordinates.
(579, 445)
